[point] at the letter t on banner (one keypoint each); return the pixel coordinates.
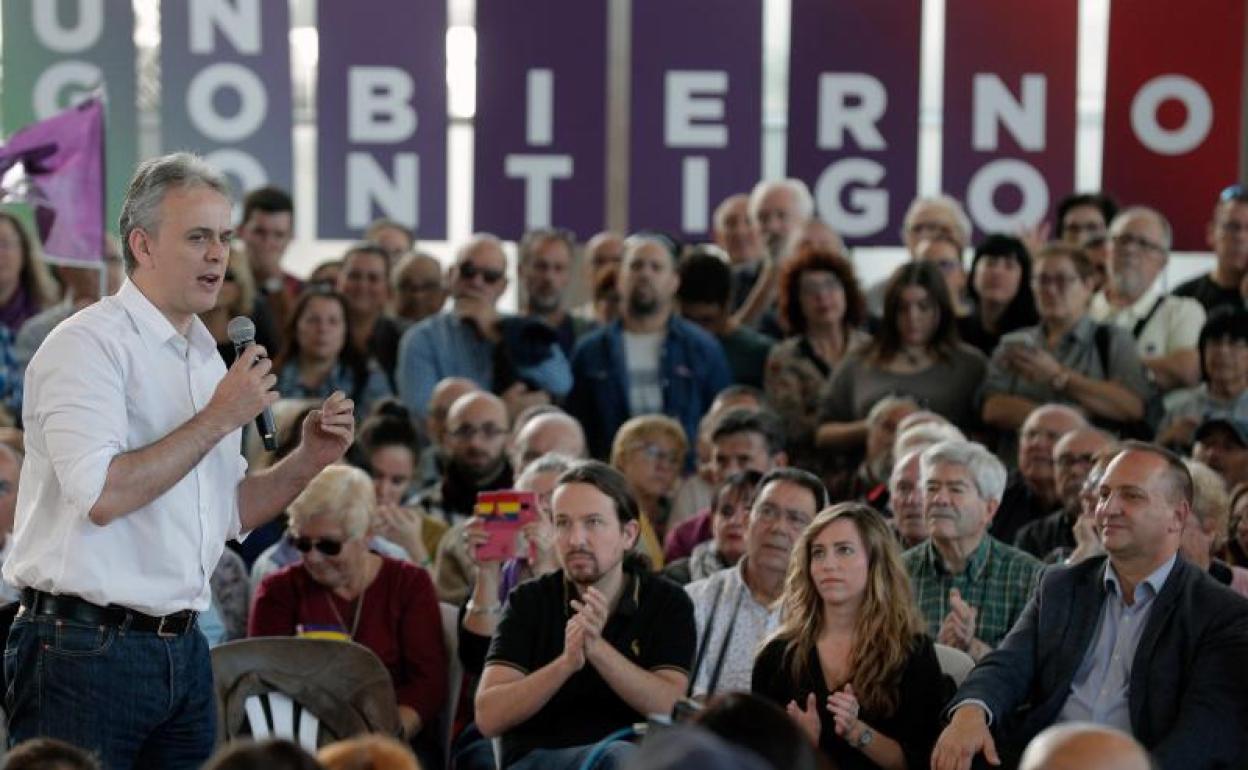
(381, 116)
(541, 123)
(1173, 107)
(696, 129)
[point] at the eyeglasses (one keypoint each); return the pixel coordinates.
(412, 287)
(1069, 461)
(1127, 240)
(812, 285)
(325, 545)
(657, 454)
(793, 519)
(1233, 229)
(489, 431)
(468, 271)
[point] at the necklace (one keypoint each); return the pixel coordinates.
(355, 623)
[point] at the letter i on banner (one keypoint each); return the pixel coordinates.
(381, 116)
(1009, 120)
(56, 54)
(540, 139)
(1173, 107)
(225, 77)
(696, 127)
(853, 132)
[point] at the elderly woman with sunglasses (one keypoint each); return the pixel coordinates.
(343, 589)
(649, 451)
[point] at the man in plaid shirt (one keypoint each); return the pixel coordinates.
(969, 586)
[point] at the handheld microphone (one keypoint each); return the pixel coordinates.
(242, 332)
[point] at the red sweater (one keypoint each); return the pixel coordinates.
(400, 622)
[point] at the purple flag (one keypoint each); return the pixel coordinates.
(541, 122)
(696, 125)
(63, 157)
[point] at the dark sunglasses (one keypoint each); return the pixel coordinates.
(469, 271)
(324, 545)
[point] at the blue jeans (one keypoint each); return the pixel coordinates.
(133, 698)
(573, 757)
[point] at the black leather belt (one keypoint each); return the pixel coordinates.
(67, 607)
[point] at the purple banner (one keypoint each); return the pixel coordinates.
(540, 138)
(225, 76)
(381, 116)
(1009, 130)
(854, 112)
(696, 122)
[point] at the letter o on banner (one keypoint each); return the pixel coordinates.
(979, 195)
(253, 102)
(240, 165)
(1149, 99)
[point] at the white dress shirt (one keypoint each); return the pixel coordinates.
(1175, 326)
(113, 378)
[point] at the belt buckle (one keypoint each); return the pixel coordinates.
(162, 633)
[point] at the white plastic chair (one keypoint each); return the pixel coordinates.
(954, 663)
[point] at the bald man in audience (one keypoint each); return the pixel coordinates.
(1073, 456)
(1084, 746)
(432, 458)
(553, 431)
(419, 288)
(1031, 492)
(476, 435)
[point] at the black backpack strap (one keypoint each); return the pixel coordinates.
(1102, 346)
(723, 647)
(706, 638)
(1152, 311)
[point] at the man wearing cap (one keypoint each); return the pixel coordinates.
(1222, 444)
(650, 361)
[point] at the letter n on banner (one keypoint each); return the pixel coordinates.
(1009, 120)
(853, 131)
(56, 54)
(225, 80)
(1173, 115)
(381, 116)
(541, 123)
(696, 127)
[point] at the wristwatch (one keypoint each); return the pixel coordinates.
(1060, 380)
(475, 609)
(864, 738)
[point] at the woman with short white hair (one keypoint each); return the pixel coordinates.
(341, 589)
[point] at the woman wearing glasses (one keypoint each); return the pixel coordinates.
(1068, 357)
(649, 451)
(343, 590)
(850, 661)
(318, 356)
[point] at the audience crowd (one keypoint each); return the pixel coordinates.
(994, 508)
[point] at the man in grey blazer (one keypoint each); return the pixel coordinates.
(1139, 640)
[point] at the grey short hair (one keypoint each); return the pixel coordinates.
(1135, 211)
(983, 466)
(805, 201)
(551, 462)
(923, 435)
(1210, 500)
(480, 239)
(954, 207)
(152, 179)
(342, 493)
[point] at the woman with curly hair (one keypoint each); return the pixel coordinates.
(822, 306)
(850, 661)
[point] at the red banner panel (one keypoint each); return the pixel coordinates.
(1009, 119)
(1173, 114)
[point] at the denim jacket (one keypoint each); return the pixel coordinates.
(692, 368)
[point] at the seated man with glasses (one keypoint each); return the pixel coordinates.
(1228, 237)
(340, 589)
(463, 341)
(1165, 327)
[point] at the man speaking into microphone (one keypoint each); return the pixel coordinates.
(133, 481)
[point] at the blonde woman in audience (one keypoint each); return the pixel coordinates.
(850, 661)
(1237, 542)
(343, 589)
(1204, 532)
(649, 451)
(26, 286)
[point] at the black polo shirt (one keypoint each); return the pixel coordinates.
(652, 626)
